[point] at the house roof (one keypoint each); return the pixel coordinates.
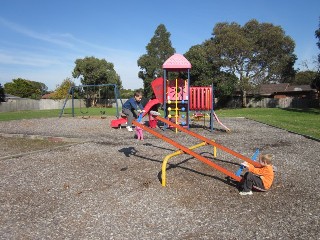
(299, 88)
(269, 89)
(47, 96)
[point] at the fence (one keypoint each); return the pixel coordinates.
(13, 105)
(287, 102)
(22, 104)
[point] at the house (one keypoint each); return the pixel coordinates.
(47, 96)
(283, 90)
(281, 95)
(11, 97)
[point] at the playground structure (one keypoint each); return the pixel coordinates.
(174, 96)
(178, 98)
(91, 95)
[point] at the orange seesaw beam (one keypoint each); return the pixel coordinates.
(213, 143)
(187, 150)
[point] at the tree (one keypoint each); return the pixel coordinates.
(25, 88)
(159, 49)
(304, 77)
(62, 90)
(2, 94)
(316, 82)
(206, 72)
(288, 72)
(203, 71)
(317, 34)
(256, 53)
(126, 93)
(94, 71)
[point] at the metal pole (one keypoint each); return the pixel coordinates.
(72, 102)
(188, 108)
(164, 96)
(116, 96)
(211, 112)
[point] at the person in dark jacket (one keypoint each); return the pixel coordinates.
(132, 108)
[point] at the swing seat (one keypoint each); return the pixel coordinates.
(116, 123)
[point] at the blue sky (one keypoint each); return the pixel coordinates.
(41, 39)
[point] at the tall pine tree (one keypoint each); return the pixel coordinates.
(159, 49)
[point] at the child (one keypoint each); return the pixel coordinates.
(261, 177)
(130, 107)
(139, 132)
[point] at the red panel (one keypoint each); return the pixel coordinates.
(200, 98)
(157, 86)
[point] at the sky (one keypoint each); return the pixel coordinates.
(41, 39)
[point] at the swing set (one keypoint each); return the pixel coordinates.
(93, 96)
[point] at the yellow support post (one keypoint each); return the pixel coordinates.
(166, 159)
(176, 111)
(214, 151)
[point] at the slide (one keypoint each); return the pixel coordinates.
(149, 105)
(116, 123)
(216, 117)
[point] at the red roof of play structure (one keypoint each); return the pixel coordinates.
(176, 62)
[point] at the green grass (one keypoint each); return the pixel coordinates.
(7, 116)
(302, 121)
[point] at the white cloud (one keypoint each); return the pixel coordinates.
(26, 59)
(59, 39)
(51, 65)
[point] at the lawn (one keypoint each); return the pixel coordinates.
(303, 121)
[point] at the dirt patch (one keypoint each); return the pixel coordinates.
(18, 145)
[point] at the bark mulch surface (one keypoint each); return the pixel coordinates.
(74, 178)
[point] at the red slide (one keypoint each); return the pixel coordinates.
(116, 123)
(149, 105)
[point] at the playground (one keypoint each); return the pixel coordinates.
(81, 179)
(89, 178)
